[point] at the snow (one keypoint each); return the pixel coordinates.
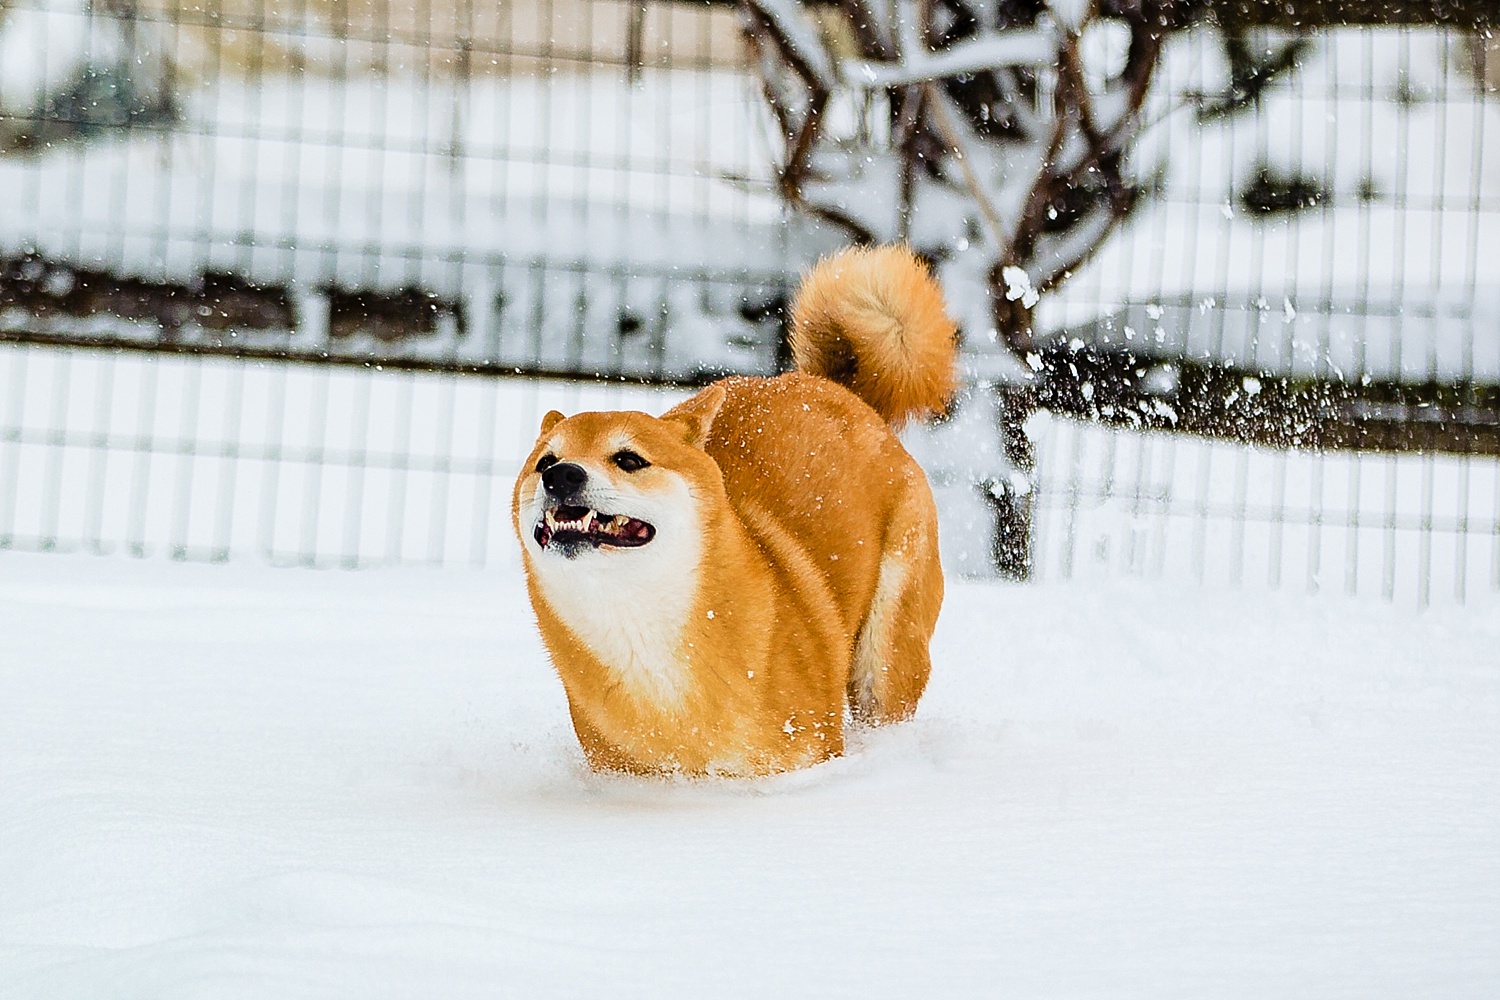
(400, 174)
(479, 190)
(25, 54)
(1417, 343)
(219, 459)
(1018, 286)
(1417, 529)
(793, 24)
(508, 194)
(1009, 48)
(234, 781)
(518, 197)
(964, 460)
(1390, 270)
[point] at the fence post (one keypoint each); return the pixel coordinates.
(1014, 498)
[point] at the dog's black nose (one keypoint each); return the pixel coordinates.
(563, 479)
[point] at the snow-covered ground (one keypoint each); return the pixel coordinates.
(247, 782)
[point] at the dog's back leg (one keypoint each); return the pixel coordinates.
(891, 661)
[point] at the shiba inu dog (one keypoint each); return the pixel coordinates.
(717, 586)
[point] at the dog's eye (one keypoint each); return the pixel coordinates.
(629, 461)
(545, 462)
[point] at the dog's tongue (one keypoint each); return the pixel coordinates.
(637, 530)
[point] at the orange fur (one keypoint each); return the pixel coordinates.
(873, 320)
(793, 573)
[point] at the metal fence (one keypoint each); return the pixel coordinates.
(478, 187)
(1421, 528)
(212, 459)
(1313, 291)
(418, 204)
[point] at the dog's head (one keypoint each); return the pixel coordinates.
(612, 484)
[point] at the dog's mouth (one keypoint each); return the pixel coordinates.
(576, 526)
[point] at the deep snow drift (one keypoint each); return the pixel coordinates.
(247, 782)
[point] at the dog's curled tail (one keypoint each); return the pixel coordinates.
(873, 321)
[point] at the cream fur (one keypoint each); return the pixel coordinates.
(871, 653)
(629, 606)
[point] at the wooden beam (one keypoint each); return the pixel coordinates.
(1315, 14)
(1292, 14)
(1216, 401)
(322, 358)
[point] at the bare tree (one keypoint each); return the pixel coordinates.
(999, 129)
(995, 135)
(1002, 129)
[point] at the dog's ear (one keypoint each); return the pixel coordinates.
(551, 420)
(696, 415)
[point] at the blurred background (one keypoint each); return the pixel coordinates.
(294, 282)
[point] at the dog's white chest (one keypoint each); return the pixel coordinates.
(641, 652)
(629, 608)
